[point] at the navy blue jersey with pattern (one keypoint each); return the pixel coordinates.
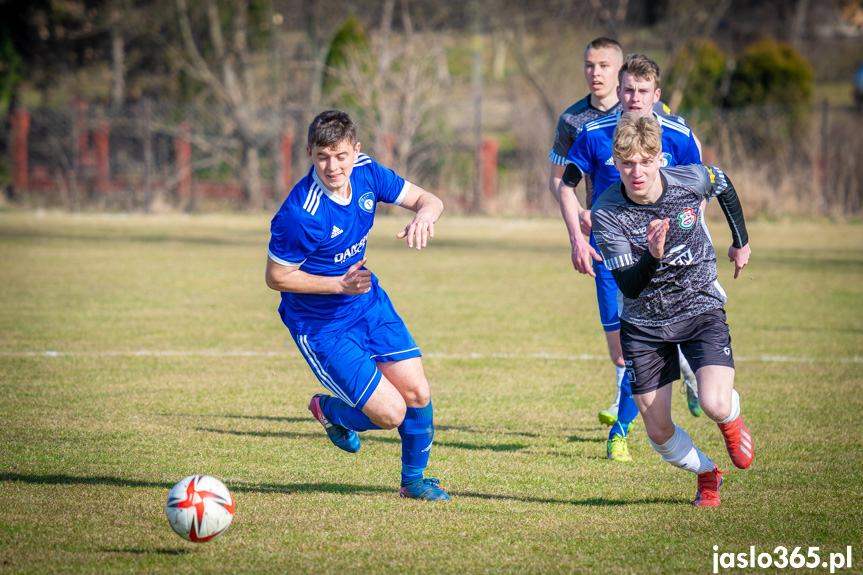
(325, 235)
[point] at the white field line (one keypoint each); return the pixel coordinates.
(433, 355)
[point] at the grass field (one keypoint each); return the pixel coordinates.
(135, 351)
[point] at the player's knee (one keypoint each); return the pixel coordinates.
(393, 416)
(417, 397)
(659, 432)
(715, 408)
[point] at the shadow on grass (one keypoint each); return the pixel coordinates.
(369, 438)
(581, 439)
(288, 488)
(591, 502)
(236, 487)
(281, 434)
(477, 430)
(453, 444)
(177, 551)
(258, 417)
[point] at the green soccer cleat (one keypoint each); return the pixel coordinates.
(690, 388)
(608, 416)
(617, 450)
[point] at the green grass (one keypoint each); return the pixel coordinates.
(171, 360)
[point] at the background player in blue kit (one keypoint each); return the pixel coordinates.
(591, 154)
(650, 231)
(603, 58)
(340, 318)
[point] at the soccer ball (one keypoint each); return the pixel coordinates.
(200, 508)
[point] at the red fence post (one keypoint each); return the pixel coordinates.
(101, 143)
(80, 132)
(20, 133)
(183, 149)
(288, 161)
(488, 167)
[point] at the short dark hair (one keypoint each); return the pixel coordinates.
(604, 42)
(331, 127)
(641, 67)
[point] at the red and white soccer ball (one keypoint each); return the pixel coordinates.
(200, 508)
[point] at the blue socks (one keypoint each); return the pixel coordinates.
(417, 433)
(343, 414)
(626, 411)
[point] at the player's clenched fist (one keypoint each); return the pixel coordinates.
(656, 231)
(357, 281)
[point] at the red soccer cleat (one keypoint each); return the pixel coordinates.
(708, 488)
(738, 442)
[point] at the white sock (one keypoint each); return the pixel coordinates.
(621, 371)
(680, 452)
(684, 365)
(735, 407)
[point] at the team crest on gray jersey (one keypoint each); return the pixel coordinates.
(686, 219)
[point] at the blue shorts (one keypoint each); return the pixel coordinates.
(344, 358)
(606, 297)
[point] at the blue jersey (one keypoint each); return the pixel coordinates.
(325, 235)
(569, 124)
(591, 152)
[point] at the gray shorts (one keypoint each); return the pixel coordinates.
(650, 353)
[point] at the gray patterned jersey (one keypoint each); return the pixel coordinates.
(685, 284)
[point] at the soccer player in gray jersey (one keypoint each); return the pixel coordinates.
(651, 235)
(603, 58)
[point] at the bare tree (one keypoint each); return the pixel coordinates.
(396, 85)
(231, 79)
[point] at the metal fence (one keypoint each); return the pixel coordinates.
(152, 156)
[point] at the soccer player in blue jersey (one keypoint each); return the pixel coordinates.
(603, 58)
(340, 318)
(591, 155)
(650, 231)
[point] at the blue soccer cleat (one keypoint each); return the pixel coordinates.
(425, 489)
(342, 437)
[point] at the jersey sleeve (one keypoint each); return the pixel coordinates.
(388, 187)
(580, 153)
(563, 141)
(721, 187)
(613, 246)
(293, 237)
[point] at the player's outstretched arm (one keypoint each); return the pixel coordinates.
(428, 208)
(355, 281)
(583, 253)
(739, 251)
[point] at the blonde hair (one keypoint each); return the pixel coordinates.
(637, 134)
(640, 67)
